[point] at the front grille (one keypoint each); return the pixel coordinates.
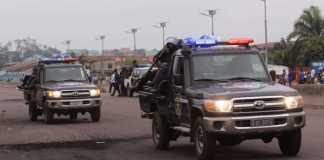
(258, 104)
(76, 94)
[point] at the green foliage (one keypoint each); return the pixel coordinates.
(22, 49)
(305, 44)
(128, 62)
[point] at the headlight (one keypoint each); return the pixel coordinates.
(218, 106)
(294, 102)
(95, 92)
(54, 94)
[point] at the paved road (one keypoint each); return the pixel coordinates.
(120, 119)
(142, 149)
(121, 135)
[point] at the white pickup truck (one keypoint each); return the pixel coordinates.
(132, 80)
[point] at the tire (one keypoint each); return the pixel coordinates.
(73, 116)
(290, 142)
(161, 134)
(48, 116)
(32, 110)
(95, 115)
(205, 143)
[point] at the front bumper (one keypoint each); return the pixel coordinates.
(74, 103)
(255, 124)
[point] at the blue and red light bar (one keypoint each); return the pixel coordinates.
(240, 41)
(57, 61)
(206, 42)
(59, 58)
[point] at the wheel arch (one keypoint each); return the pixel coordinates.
(195, 112)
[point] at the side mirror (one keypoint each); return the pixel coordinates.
(89, 79)
(273, 75)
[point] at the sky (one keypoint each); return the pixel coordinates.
(52, 22)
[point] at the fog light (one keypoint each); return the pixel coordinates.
(218, 125)
(298, 120)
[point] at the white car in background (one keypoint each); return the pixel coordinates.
(131, 82)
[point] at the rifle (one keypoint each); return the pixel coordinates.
(163, 56)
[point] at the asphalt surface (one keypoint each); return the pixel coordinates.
(120, 119)
(122, 135)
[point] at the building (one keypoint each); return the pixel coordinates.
(98, 64)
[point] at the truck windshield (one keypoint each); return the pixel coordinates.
(228, 67)
(61, 74)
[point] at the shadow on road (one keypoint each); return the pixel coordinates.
(221, 152)
(66, 120)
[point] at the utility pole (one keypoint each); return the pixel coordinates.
(102, 39)
(211, 13)
(67, 43)
(133, 31)
(266, 31)
(162, 25)
(22, 53)
(102, 75)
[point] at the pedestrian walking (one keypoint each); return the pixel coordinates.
(115, 83)
(123, 76)
(283, 79)
(290, 77)
(313, 75)
(302, 76)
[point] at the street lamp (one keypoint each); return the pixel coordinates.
(133, 31)
(101, 39)
(162, 25)
(211, 13)
(265, 31)
(67, 43)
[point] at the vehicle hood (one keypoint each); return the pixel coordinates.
(68, 86)
(241, 89)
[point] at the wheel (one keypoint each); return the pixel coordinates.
(205, 143)
(32, 110)
(95, 115)
(73, 116)
(160, 132)
(290, 142)
(48, 116)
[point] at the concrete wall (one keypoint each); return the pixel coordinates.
(313, 94)
(311, 90)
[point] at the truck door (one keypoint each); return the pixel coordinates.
(38, 89)
(181, 101)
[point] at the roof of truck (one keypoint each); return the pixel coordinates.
(222, 50)
(62, 65)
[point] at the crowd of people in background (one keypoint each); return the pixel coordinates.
(302, 76)
(116, 82)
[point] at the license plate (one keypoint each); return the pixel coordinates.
(75, 103)
(263, 122)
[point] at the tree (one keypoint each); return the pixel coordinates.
(309, 25)
(20, 49)
(286, 53)
(309, 32)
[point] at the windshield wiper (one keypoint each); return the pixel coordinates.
(211, 80)
(52, 81)
(72, 80)
(244, 78)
